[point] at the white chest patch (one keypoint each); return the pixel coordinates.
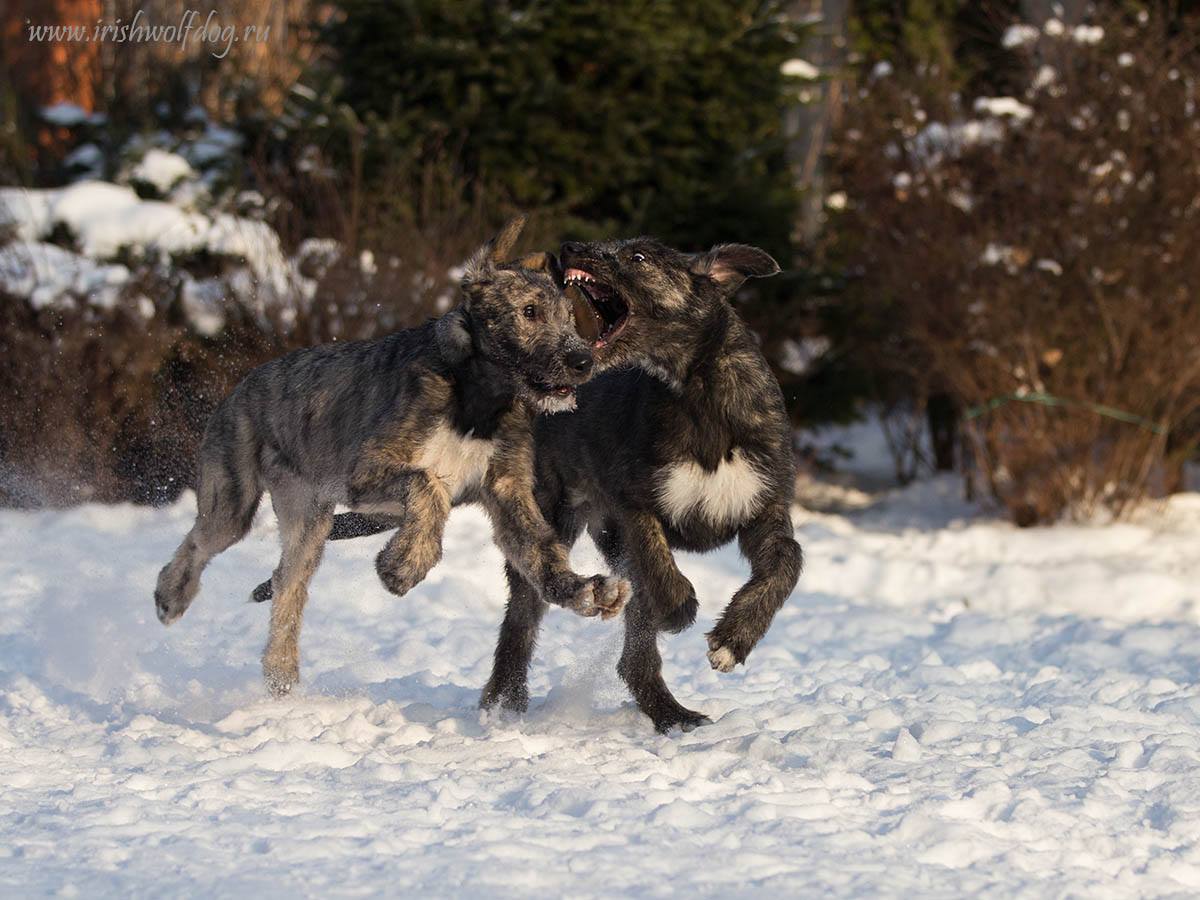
(731, 494)
(459, 460)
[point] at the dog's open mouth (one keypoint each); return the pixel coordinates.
(553, 390)
(600, 315)
(552, 398)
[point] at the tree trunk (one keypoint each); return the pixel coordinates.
(808, 124)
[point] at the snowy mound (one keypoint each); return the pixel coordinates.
(79, 245)
(162, 170)
(947, 706)
(106, 220)
(45, 273)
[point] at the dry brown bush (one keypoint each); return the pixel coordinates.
(105, 405)
(1050, 249)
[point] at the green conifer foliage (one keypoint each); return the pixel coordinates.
(614, 118)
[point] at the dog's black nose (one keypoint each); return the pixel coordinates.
(579, 360)
(572, 247)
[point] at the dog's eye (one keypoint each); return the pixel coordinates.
(530, 312)
(639, 258)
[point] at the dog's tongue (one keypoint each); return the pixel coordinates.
(587, 320)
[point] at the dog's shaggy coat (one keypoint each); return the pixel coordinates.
(690, 448)
(691, 451)
(403, 427)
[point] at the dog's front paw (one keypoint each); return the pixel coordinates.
(397, 575)
(610, 595)
(263, 592)
(599, 595)
(721, 656)
(722, 659)
(398, 583)
(174, 592)
(166, 611)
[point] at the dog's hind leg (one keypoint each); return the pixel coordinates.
(775, 562)
(227, 495)
(304, 524)
(509, 684)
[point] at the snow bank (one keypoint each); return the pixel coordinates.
(800, 68)
(46, 274)
(109, 222)
(947, 706)
(1003, 106)
(106, 219)
(162, 170)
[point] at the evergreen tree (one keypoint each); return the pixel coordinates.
(622, 117)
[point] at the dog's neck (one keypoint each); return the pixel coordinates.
(483, 391)
(686, 374)
(715, 379)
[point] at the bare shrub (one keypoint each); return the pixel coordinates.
(1035, 257)
(397, 244)
(108, 405)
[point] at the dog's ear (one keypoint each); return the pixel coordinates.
(453, 335)
(481, 267)
(503, 243)
(536, 262)
(542, 262)
(731, 264)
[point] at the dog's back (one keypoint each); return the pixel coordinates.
(307, 414)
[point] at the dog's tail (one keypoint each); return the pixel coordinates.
(345, 526)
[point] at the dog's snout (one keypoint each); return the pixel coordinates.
(572, 247)
(579, 361)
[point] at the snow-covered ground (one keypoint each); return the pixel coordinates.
(946, 707)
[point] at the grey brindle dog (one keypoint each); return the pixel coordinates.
(404, 427)
(689, 450)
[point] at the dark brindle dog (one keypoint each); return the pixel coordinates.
(689, 451)
(689, 454)
(404, 427)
